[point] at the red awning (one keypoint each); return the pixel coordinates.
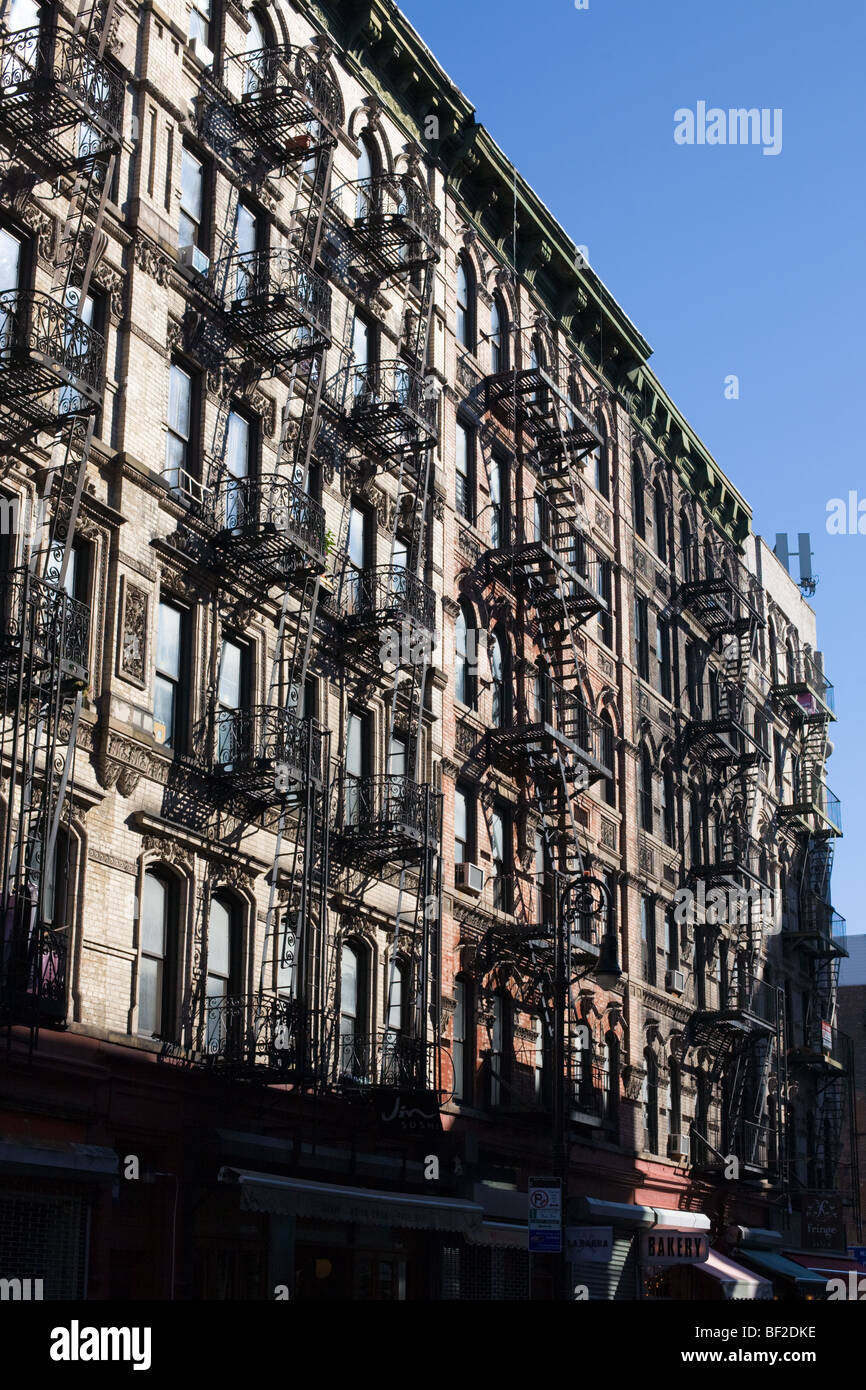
(826, 1264)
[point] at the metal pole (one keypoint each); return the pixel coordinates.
(560, 1110)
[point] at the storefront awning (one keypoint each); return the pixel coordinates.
(502, 1234)
(736, 1281)
(778, 1267)
(65, 1160)
(826, 1264)
(322, 1201)
(625, 1214)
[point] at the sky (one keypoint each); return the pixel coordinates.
(730, 261)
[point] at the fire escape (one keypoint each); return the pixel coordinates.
(60, 114)
(380, 418)
(270, 316)
(547, 735)
(820, 1059)
(738, 1022)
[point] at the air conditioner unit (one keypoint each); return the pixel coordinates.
(675, 982)
(202, 52)
(470, 878)
(192, 258)
(678, 1147)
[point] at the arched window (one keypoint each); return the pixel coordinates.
(259, 41)
(354, 1043)
(646, 790)
(607, 757)
(686, 550)
(638, 505)
(498, 336)
(465, 304)
(498, 500)
(500, 672)
(601, 465)
(651, 1102)
(369, 166)
(158, 940)
(465, 638)
(660, 518)
(669, 809)
(223, 971)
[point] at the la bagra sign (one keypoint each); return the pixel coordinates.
(664, 1246)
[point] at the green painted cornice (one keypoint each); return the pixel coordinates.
(389, 57)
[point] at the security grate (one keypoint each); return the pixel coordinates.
(43, 1235)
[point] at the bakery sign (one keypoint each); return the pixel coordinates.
(665, 1246)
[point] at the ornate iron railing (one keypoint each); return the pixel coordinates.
(247, 1031)
(44, 345)
(550, 535)
(283, 87)
(743, 993)
(266, 741)
(264, 511)
(273, 292)
(39, 65)
(33, 965)
(552, 708)
(386, 205)
(390, 808)
(39, 617)
(390, 593)
(383, 405)
(392, 1059)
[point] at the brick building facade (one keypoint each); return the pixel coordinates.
(402, 630)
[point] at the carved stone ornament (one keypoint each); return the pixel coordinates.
(169, 849)
(132, 651)
(151, 260)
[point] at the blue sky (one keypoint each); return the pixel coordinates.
(729, 261)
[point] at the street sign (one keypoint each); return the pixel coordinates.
(823, 1222)
(664, 1246)
(590, 1244)
(545, 1216)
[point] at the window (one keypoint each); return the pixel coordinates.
(232, 696)
(651, 1103)
(660, 519)
(676, 1114)
(669, 809)
(358, 557)
(500, 673)
(543, 895)
(465, 643)
(178, 439)
(663, 658)
(10, 260)
(498, 493)
(464, 498)
(610, 1077)
(607, 757)
(605, 593)
(463, 1041)
(169, 706)
(601, 465)
(239, 460)
(77, 581)
(23, 14)
(501, 849)
(695, 828)
(672, 941)
(89, 311)
(247, 238)
(396, 997)
(686, 550)
(648, 939)
(364, 347)
(641, 634)
(538, 1057)
(367, 169)
(500, 1047)
(223, 970)
(200, 20)
(646, 790)
(638, 504)
(354, 1053)
(158, 954)
(465, 304)
(189, 229)
(498, 336)
(258, 39)
(464, 826)
(357, 763)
